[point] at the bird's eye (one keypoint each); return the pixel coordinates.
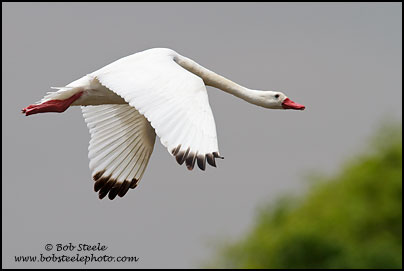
(276, 96)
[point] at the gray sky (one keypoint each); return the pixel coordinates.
(342, 61)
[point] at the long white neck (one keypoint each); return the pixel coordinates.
(213, 79)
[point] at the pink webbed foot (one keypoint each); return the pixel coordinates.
(51, 105)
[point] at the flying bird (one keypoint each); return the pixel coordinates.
(154, 92)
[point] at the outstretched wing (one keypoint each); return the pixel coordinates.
(122, 141)
(174, 100)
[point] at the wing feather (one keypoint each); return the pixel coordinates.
(122, 141)
(172, 99)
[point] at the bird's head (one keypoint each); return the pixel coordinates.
(278, 100)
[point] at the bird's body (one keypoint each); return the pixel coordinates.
(157, 91)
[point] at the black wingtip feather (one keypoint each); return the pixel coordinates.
(179, 157)
(211, 159)
(105, 185)
(217, 155)
(133, 183)
(176, 150)
(98, 175)
(124, 188)
(106, 188)
(190, 160)
(100, 184)
(113, 192)
(201, 159)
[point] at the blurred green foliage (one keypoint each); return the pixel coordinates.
(351, 220)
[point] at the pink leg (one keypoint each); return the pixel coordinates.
(51, 106)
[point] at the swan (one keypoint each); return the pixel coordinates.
(154, 92)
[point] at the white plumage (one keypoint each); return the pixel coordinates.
(157, 91)
(122, 141)
(174, 100)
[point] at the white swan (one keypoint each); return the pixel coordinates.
(157, 91)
